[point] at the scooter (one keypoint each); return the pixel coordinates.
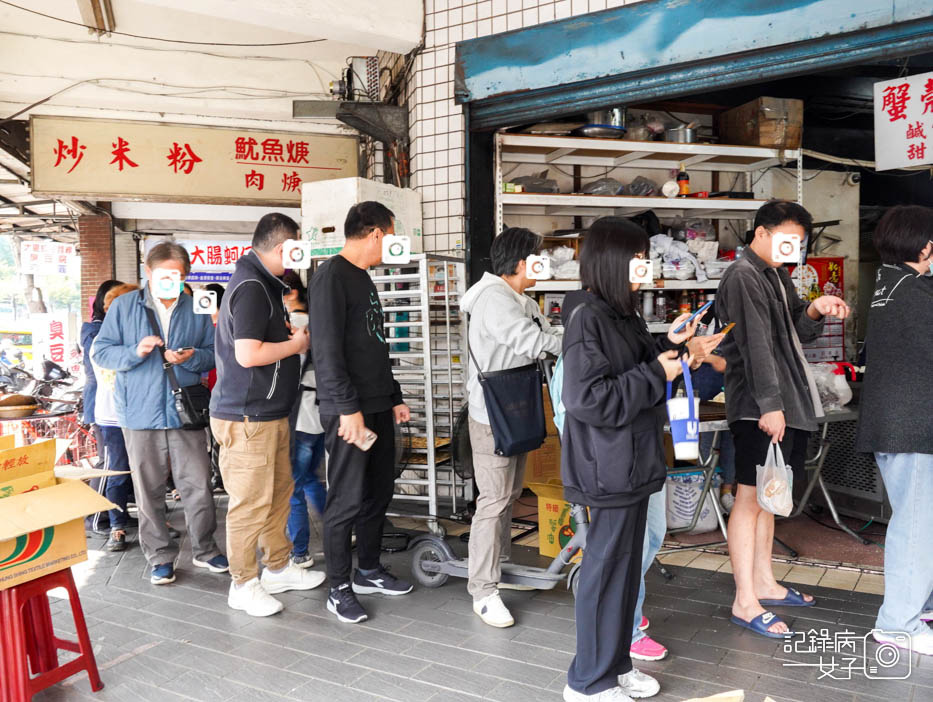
(433, 562)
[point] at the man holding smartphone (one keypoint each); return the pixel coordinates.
(360, 402)
(257, 386)
(771, 397)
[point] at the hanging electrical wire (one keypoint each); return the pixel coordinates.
(170, 41)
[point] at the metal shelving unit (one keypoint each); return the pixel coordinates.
(426, 332)
(545, 150)
(618, 153)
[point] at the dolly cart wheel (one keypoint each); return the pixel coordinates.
(428, 550)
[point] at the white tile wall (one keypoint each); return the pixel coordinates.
(436, 124)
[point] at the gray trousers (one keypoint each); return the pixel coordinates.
(499, 479)
(153, 453)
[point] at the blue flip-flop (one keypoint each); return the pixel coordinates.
(761, 623)
(793, 599)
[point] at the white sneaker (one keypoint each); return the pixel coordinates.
(919, 643)
(637, 685)
(492, 611)
(253, 599)
(291, 577)
(613, 694)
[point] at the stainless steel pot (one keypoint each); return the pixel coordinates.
(681, 135)
(614, 117)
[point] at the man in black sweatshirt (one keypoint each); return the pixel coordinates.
(358, 397)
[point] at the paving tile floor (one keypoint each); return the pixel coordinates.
(181, 642)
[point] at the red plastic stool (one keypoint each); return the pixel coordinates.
(28, 641)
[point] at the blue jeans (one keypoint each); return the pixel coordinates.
(908, 567)
(307, 454)
(118, 487)
(726, 453)
(655, 529)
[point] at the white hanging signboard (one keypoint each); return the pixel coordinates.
(904, 122)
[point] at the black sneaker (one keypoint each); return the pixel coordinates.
(382, 581)
(344, 604)
(116, 541)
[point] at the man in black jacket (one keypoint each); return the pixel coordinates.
(771, 397)
(358, 398)
(257, 352)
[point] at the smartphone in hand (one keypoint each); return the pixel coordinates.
(366, 443)
(694, 316)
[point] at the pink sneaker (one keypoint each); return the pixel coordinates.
(644, 623)
(647, 649)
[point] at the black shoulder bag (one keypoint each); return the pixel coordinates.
(193, 402)
(515, 407)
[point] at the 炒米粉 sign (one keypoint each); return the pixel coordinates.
(116, 159)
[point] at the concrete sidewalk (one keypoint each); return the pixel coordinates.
(182, 642)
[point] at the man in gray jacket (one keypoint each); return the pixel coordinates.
(771, 397)
(507, 330)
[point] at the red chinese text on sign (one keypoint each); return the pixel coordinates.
(915, 131)
(255, 180)
(916, 152)
(246, 149)
(214, 255)
(56, 331)
(182, 159)
(272, 150)
(894, 101)
(120, 149)
(297, 151)
(197, 255)
(291, 183)
(75, 151)
(927, 97)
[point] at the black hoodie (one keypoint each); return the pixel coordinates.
(612, 452)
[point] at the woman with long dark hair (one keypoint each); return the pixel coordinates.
(612, 456)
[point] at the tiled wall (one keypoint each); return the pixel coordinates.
(436, 123)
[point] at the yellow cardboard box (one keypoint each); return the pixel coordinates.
(41, 516)
(543, 465)
(555, 526)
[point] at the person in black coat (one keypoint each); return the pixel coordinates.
(612, 455)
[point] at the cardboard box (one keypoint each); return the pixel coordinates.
(773, 122)
(555, 526)
(543, 465)
(325, 203)
(41, 516)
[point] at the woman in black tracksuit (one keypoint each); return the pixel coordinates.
(612, 455)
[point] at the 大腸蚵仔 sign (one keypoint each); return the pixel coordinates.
(115, 159)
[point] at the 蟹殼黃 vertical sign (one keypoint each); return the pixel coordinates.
(115, 159)
(904, 122)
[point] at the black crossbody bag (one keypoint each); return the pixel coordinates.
(515, 407)
(193, 402)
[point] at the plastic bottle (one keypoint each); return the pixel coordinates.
(683, 181)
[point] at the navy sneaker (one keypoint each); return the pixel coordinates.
(217, 564)
(344, 604)
(382, 581)
(163, 574)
